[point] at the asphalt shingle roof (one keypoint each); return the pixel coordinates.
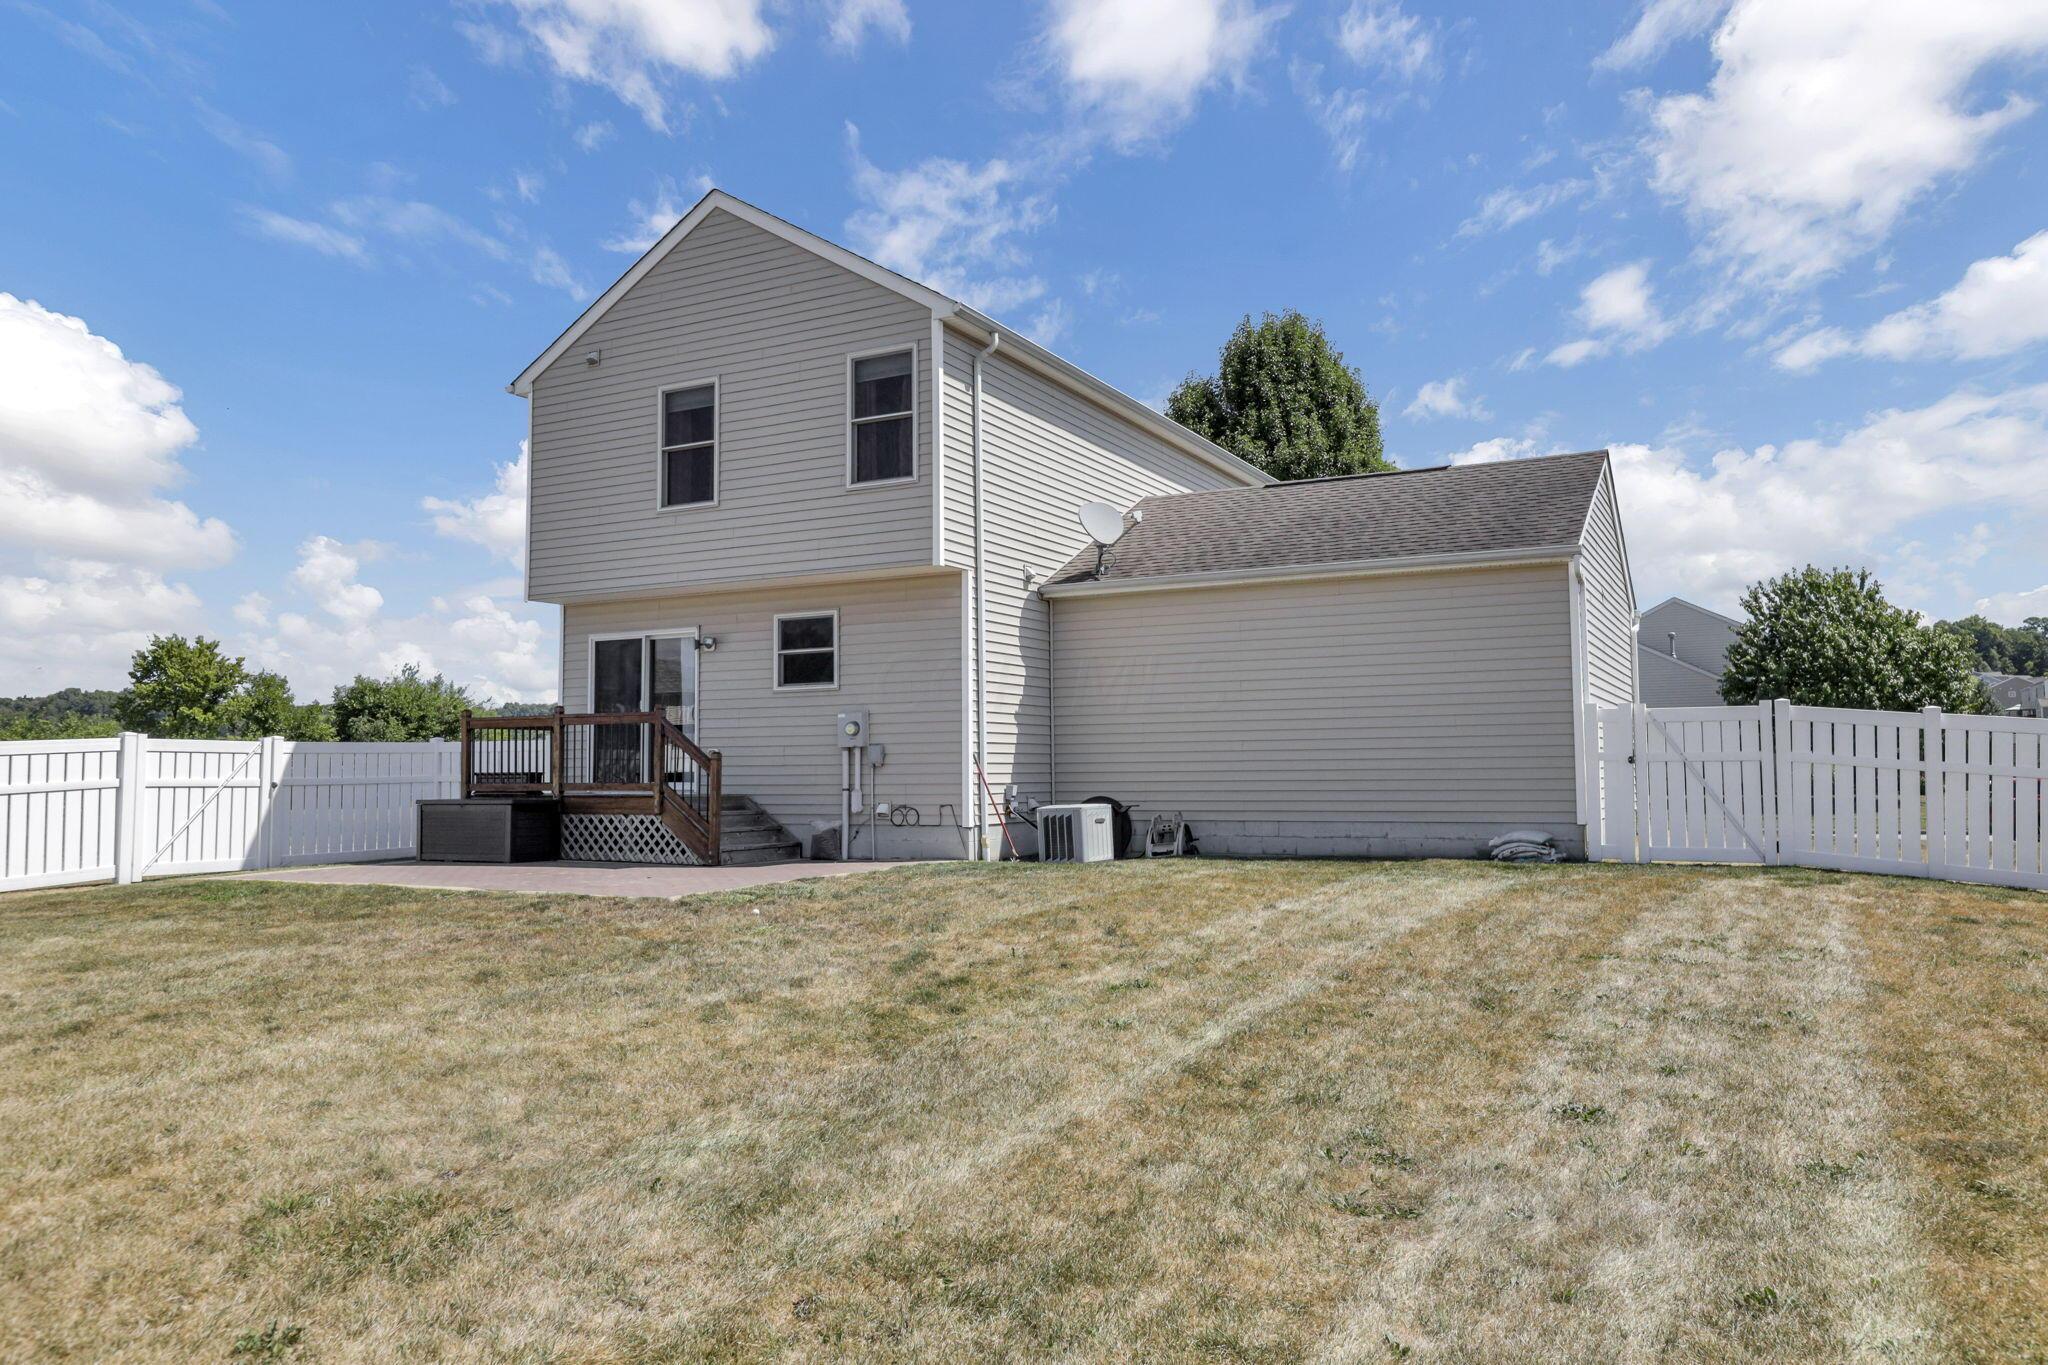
(1456, 509)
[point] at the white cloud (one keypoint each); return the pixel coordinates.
(1445, 398)
(1660, 24)
(851, 21)
(78, 622)
(528, 185)
(328, 241)
(650, 219)
(592, 136)
(1494, 450)
(495, 520)
(548, 268)
(87, 440)
(415, 222)
(952, 225)
(1826, 119)
(2014, 608)
(1343, 115)
(1137, 68)
(1999, 306)
(634, 47)
(1379, 34)
(327, 572)
(1619, 308)
(1050, 324)
(428, 90)
(253, 609)
(1508, 205)
(1550, 255)
(1708, 530)
(264, 154)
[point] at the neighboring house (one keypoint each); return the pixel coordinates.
(772, 481)
(1681, 652)
(2016, 694)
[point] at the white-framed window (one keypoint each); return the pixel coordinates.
(881, 437)
(688, 472)
(806, 650)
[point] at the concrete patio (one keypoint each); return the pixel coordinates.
(566, 879)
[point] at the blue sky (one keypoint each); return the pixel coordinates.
(267, 269)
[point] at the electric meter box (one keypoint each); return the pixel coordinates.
(853, 728)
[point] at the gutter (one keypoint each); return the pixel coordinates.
(1291, 573)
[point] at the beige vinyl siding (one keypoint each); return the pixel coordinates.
(1610, 604)
(774, 324)
(899, 656)
(1673, 682)
(1703, 637)
(1403, 698)
(1045, 452)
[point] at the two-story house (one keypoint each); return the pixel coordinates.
(774, 484)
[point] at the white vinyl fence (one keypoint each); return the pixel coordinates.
(1912, 793)
(83, 810)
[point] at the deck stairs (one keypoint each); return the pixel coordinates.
(750, 836)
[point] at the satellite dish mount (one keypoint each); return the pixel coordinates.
(1104, 525)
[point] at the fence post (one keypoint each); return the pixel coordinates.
(1782, 787)
(1639, 774)
(127, 800)
(467, 749)
(556, 752)
(1767, 779)
(1934, 783)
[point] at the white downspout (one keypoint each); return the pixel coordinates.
(981, 846)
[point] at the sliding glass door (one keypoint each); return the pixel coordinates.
(639, 673)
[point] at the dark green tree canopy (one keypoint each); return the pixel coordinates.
(1827, 637)
(1283, 399)
(178, 687)
(2003, 649)
(402, 708)
(188, 689)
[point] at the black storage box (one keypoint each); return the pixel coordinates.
(497, 829)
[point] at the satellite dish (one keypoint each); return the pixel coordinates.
(1103, 523)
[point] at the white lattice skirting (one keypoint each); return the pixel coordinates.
(622, 839)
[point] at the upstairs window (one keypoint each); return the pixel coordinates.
(689, 445)
(807, 650)
(883, 443)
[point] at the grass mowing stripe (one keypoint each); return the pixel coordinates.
(1658, 1185)
(1958, 1018)
(1208, 1213)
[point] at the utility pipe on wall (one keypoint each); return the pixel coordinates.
(981, 841)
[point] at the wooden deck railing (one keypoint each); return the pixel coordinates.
(625, 762)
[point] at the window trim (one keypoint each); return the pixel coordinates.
(851, 421)
(775, 651)
(661, 451)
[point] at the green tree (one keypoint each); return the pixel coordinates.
(1284, 399)
(266, 706)
(2003, 649)
(401, 708)
(177, 688)
(1827, 637)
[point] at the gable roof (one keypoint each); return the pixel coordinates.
(949, 310)
(1691, 606)
(1448, 515)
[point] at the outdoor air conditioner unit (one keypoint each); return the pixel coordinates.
(1075, 834)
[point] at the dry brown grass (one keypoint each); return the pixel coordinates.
(1180, 1110)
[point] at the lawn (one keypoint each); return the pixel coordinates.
(1174, 1110)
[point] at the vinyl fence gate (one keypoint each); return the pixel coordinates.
(1909, 793)
(84, 810)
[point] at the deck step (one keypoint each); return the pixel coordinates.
(749, 836)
